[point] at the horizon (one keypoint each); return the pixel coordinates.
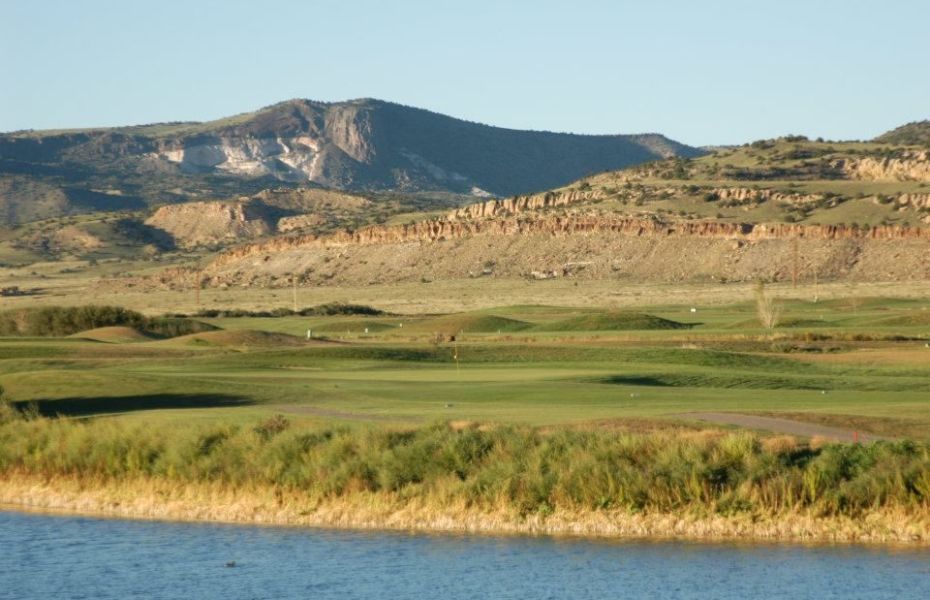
(700, 75)
(388, 101)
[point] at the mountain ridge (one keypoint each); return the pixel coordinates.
(358, 145)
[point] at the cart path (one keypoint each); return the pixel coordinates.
(788, 426)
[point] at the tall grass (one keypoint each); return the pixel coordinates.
(519, 468)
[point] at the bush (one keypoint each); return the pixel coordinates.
(169, 327)
(330, 309)
(59, 321)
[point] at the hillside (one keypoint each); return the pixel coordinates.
(788, 180)
(180, 232)
(361, 145)
(777, 209)
(915, 134)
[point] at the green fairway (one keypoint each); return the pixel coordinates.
(860, 360)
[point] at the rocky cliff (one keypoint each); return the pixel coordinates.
(519, 204)
(579, 246)
(912, 166)
(727, 196)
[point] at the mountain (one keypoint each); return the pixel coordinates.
(358, 145)
(912, 134)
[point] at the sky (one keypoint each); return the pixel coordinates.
(711, 72)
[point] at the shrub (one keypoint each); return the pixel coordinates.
(59, 321)
(329, 309)
(768, 311)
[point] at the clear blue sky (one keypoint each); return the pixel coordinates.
(701, 72)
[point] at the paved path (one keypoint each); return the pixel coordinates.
(777, 425)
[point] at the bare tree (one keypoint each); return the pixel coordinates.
(767, 309)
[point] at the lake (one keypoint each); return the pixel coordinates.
(46, 556)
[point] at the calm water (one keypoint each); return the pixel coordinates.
(52, 557)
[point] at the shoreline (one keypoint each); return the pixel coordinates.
(157, 500)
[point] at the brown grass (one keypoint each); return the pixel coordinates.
(163, 500)
(405, 298)
(897, 356)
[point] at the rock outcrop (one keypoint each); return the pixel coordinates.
(911, 166)
(578, 246)
(287, 159)
(557, 225)
(519, 204)
(740, 195)
(913, 201)
(298, 222)
(212, 223)
(727, 196)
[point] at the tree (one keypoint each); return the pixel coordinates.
(767, 309)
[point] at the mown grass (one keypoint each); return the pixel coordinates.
(615, 321)
(532, 376)
(521, 469)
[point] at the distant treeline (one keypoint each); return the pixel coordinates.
(57, 321)
(322, 310)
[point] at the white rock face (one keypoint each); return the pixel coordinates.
(294, 159)
(251, 156)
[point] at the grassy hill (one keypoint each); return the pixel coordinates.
(915, 134)
(790, 179)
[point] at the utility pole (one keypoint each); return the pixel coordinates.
(794, 268)
(197, 284)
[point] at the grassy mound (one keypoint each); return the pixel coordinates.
(353, 326)
(116, 334)
(245, 337)
(615, 321)
(474, 323)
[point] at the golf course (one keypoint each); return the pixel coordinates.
(860, 364)
(506, 418)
